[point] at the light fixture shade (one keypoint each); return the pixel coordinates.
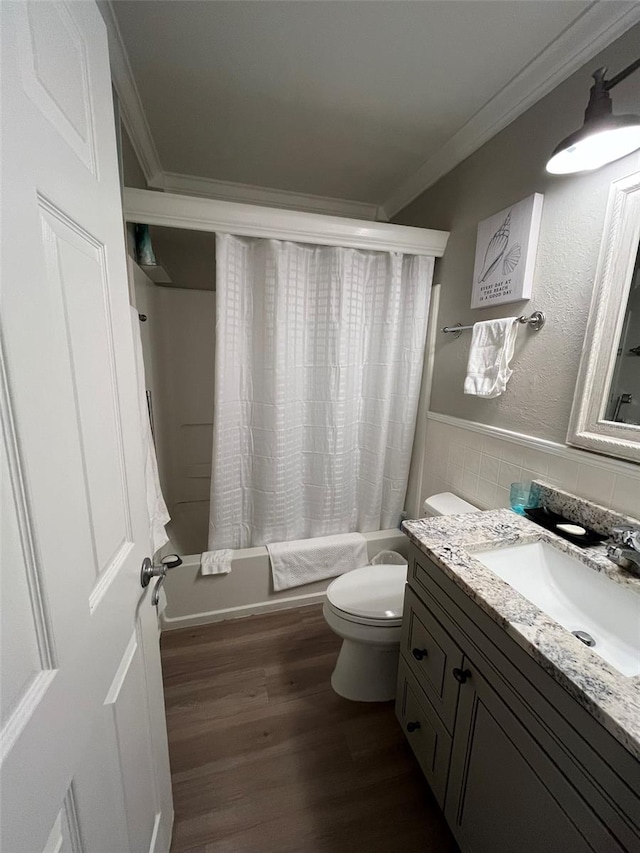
(604, 137)
(596, 144)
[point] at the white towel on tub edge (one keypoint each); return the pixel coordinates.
(216, 562)
(307, 560)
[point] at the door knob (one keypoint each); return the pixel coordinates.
(419, 653)
(155, 595)
(412, 727)
(149, 571)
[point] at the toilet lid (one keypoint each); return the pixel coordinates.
(375, 592)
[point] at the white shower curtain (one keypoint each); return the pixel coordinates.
(319, 355)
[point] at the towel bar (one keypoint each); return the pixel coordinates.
(536, 321)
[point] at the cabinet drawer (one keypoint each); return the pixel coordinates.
(432, 656)
(423, 728)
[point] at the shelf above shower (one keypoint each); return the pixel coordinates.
(249, 220)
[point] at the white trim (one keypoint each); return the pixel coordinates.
(267, 197)
(27, 706)
(203, 214)
(601, 24)
(123, 669)
(616, 466)
(130, 104)
(154, 834)
(241, 611)
(587, 425)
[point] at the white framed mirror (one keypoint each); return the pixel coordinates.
(605, 416)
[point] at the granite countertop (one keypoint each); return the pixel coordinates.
(450, 542)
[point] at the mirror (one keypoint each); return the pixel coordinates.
(605, 416)
(623, 403)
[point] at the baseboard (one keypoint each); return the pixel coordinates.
(193, 619)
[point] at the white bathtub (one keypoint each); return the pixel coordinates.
(195, 600)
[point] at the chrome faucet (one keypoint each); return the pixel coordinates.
(625, 550)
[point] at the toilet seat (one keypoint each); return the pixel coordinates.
(373, 595)
(362, 620)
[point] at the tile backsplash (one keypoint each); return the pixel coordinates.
(588, 513)
(479, 463)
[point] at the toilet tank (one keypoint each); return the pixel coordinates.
(446, 503)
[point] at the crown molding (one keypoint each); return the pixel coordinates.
(601, 24)
(249, 194)
(130, 104)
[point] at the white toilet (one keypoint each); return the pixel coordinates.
(364, 607)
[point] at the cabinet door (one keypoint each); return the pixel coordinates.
(504, 792)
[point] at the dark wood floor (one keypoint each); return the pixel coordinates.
(265, 758)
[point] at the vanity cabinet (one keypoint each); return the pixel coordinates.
(514, 761)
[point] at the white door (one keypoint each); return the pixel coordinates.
(83, 739)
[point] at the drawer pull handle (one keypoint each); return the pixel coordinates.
(419, 653)
(411, 727)
(461, 675)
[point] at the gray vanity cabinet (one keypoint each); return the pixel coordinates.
(516, 764)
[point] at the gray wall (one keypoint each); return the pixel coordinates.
(188, 257)
(506, 169)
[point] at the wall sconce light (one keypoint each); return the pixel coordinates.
(604, 137)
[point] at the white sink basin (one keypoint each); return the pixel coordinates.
(574, 595)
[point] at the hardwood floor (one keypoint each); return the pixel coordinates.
(266, 758)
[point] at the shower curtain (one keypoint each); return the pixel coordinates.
(319, 354)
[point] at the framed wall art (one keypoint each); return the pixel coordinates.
(506, 254)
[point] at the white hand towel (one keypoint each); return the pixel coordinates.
(306, 560)
(492, 345)
(216, 562)
(156, 507)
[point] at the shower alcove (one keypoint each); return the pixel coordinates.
(178, 299)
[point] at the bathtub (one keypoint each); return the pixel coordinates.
(193, 599)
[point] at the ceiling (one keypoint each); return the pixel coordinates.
(345, 100)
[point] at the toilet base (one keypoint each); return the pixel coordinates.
(365, 672)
